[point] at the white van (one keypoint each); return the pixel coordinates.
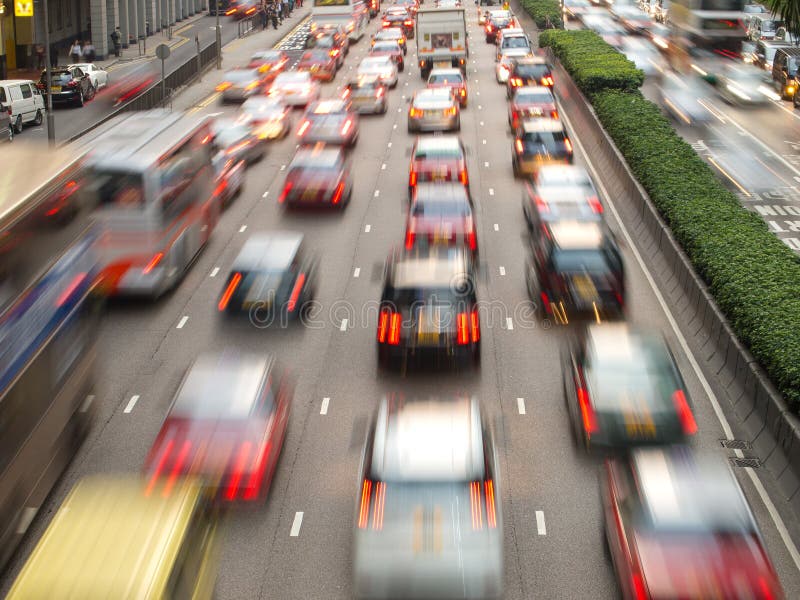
(24, 102)
(761, 27)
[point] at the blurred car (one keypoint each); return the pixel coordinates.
(158, 542)
(319, 63)
(513, 41)
(229, 170)
(558, 193)
(745, 85)
(317, 177)
(429, 309)
(366, 95)
(529, 71)
(295, 88)
(269, 63)
(437, 159)
(503, 67)
(268, 116)
(497, 20)
(539, 142)
(244, 9)
(390, 49)
(133, 81)
(397, 17)
(575, 9)
(660, 34)
(97, 76)
(227, 421)
(633, 19)
(623, 389)
(382, 67)
(329, 122)
(240, 84)
(237, 139)
(391, 34)
(453, 79)
(681, 97)
(412, 6)
(272, 280)
(441, 213)
(531, 101)
(679, 526)
(67, 86)
(334, 41)
(434, 110)
(642, 54)
(602, 24)
(428, 507)
(575, 268)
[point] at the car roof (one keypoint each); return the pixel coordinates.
(444, 71)
(293, 75)
(268, 251)
(435, 439)
(439, 142)
(430, 192)
(431, 267)
(223, 385)
(573, 235)
(790, 51)
(317, 156)
(540, 125)
(533, 89)
(563, 175)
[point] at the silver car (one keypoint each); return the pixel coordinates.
(295, 88)
(269, 117)
(382, 67)
(745, 85)
(434, 109)
(682, 99)
(240, 84)
(428, 520)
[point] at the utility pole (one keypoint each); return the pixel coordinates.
(51, 121)
(219, 35)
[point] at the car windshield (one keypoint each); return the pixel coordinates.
(62, 77)
(316, 56)
(524, 97)
(441, 209)
(416, 296)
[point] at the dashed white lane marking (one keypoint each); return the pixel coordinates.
(502, 271)
(182, 322)
(394, 126)
(242, 228)
(377, 193)
(131, 403)
(399, 110)
(541, 529)
(389, 145)
(283, 167)
(509, 323)
(367, 228)
(521, 405)
(481, 123)
(497, 227)
(356, 272)
(486, 164)
(383, 167)
(491, 191)
(478, 93)
(480, 107)
(343, 325)
(265, 194)
(214, 272)
(323, 410)
(298, 521)
(483, 142)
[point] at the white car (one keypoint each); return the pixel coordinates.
(97, 76)
(295, 88)
(503, 68)
(382, 67)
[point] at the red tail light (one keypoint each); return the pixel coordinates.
(462, 330)
(346, 93)
(380, 501)
(478, 504)
(639, 590)
(346, 127)
(379, 93)
(412, 178)
(394, 329)
(594, 202)
(547, 80)
(546, 302)
(303, 128)
(73, 83)
(153, 263)
(516, 82)
(363, 511)
(177, 468)
(568, 144)
(541, 205)
(475, 504)
(553, 114)
(408, 23)
(587, 412)
(518, 145)
(411, 237)
(285, 193)
(238, 471)
(462, 92)
(488, 29)
(462, 176)
(475, 324)
(70, 289)
(472, 239)
(389, 327)
(159, 466)
(386, 23)
(337, 194)
(226, 297)
(491, 509)
(377, 507)
(334, 53)
(257, 477)
(688, 423)
(298, 287)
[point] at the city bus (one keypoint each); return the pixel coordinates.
(150, 176)
(352, 15)
(48, 322)
(716, 26)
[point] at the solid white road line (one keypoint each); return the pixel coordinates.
(343, 325)
(541, 529)
(324, 408)
(521, 405)
(214, 272)
(182, 322)
(726, 428)
(131, 403)
(298, 521)
(356, 272)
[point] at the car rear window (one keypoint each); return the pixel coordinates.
(547, 141)
(443, 209)
(62, 77)
(437, 154)
(532, 71)
(515, 41)
(571, 261)
(446, 78)
(534, 97)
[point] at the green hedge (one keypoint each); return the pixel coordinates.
(593, 63)
(753, 276)
(541, 9)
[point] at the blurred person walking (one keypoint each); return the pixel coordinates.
(76, 52)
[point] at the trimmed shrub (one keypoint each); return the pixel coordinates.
(594, 64)
(540, 10)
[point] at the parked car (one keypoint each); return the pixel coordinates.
(22, 101)
(98, 76)
(68, 86)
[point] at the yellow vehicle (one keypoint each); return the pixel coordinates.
(114, 538)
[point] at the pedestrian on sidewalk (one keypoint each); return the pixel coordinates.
(40, 56)
(285, 9)
(298, 3)
(89, 52)
(291, 6)
(75, 52)
(262, 13)
(53, 55)
(116, 40)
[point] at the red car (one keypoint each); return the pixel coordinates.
(450, 78)
(317, 177)
(531, 102)
(441, 213)
(319, 63)
(226, 425)
(440, 158)
(269, 62)
(391, 49)
(680, 527)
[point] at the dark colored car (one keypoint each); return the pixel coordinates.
(68, 86)
(529, 71)
(272, 280)
(317, 177)
(429, 309)
(226, 426)
(679, 526)
(540, 142)
(576, 269)
(623, 389)
(559, 193)
(498, 19)
(441, 213)
(438, 159)
(399, 18)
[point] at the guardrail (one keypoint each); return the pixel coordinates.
(774, 431)
(248, 25)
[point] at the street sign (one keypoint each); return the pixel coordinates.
(162, 51)
(23, 8)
